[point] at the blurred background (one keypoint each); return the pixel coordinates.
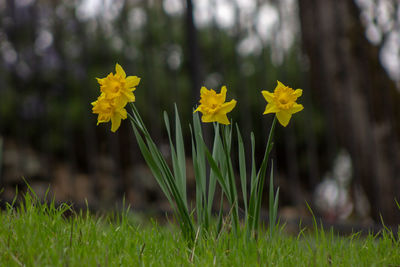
(341, 154)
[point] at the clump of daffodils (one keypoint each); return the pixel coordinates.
(116, 91)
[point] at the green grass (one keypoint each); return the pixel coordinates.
(34, 234)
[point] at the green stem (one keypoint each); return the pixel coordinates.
(231, 181)
(261, 174)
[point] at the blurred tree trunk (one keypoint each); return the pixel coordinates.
(193, 52)
(361, 102)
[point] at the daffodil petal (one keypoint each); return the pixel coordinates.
(227, 107)
(296, 108)
(197, 109)
(268, 96)
(120, 102)
(120, 71)
(222, 118)
(280, 84)
(102, 119)
(207, 118)
(122, 113)
(132, 81)
(283, 118)
(223, 93)
(129, 95)
(298, 92)
(115, 122)
(203, 91)
(100, 81)
(271, 108)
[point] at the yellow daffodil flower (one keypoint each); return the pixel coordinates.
(213, 106)
(283, 102)
(116, 91)
(119, 87)
(107, 111)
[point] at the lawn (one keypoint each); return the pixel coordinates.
(35, 234)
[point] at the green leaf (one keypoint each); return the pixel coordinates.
(271, 194)
(200, 159)
(162, 171)
(180, 151)
(276, 202)
(155, 169)
(261, 173)
(199, 187)
(213, 177)
(216, 170)
(199, 164)
(228, 169)
(242, 169)
(253, 181)
(273, 202)
(176, 164)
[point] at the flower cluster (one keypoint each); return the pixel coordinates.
(116, 91)
(282, 102)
